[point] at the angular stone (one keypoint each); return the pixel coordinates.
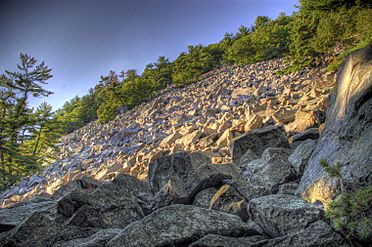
(204, 197)
(281, 214)
(169, 140)
(272, 170)
(304, 120)
(213, 240)
(178, 178)
(179, 225)
(40, 229)
(98, 239)
(258, 140)
(11, 217)
(111, 205)
(300, 156)
(228, 200)
(318, 234)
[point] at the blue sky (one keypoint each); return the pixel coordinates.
(84, 39)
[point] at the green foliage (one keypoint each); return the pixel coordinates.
(269, 39)
(333, 171)
(351, 213)
(24, 136)
(189, 66)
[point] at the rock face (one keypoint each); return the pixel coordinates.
(280, 215)
(347, 137)
(178, 225)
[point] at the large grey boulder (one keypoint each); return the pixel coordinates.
(177, 178)
(272, 170)
(318, 234)
(281, 214)
(179, 225)
(41, 229)
(11, 217)
(98, 239)
(347, 137)
(257, 141)
(111, 205)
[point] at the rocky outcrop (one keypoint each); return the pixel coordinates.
(179, 225)
(347, 137)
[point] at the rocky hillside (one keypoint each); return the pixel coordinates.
(253, 142)
(203, 117)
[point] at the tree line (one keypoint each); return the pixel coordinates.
(28, 136)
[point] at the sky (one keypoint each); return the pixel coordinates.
(84, 39)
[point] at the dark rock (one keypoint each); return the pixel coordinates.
(288, 188)
(228, 200)
(312, 133)
(257, 141)
(300, 156)
(40, 229)
(347, 137)
(177, 178)
(318, 234)
(11, 217)
(204, 197)
(280, 214)
(272, 170)
(213, 240)
(179, 225)
(248, 157)
(111, 205)
(98, 239)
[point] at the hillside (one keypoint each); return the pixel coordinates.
(286, 139)
(202, 117)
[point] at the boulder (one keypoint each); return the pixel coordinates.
(40, 229)
(84, 183)
(98, 239)
(300, 156)
(281, 214)
(179, 177)
(180, 225)
(111, 205)
(272, 170)
(11, 217)
(303, 121)
(228, 200)
(257, 141)
(347, 136)
(318, 234)
(204, 197)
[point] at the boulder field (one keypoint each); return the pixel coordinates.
(230, 161)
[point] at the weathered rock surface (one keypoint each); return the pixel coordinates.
(272, 170)
(280, 215)
(177, 178)
(347, 137)
(11, 217)
(111, 205)
(179, 225)
(300, 156)
(40, 229)
(318, 234)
